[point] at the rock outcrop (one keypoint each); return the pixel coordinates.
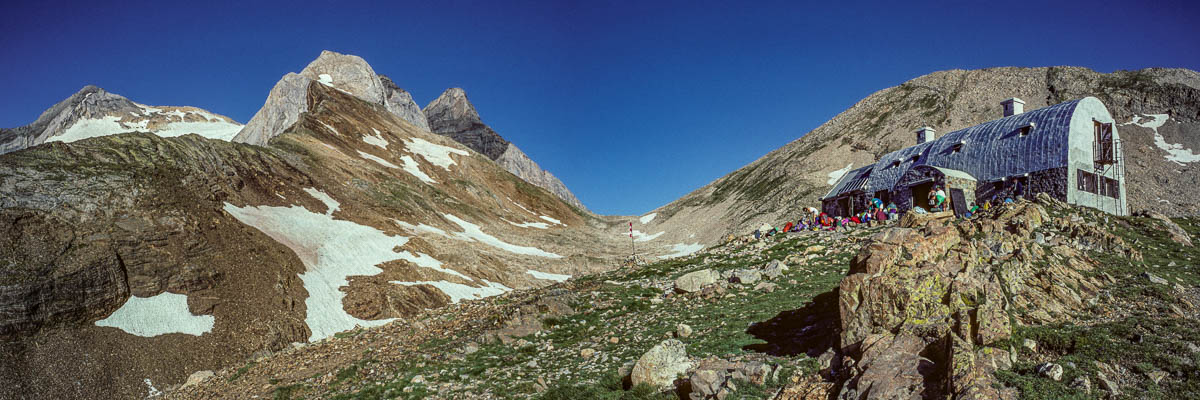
(660, 366)
(453, 115)
(93, 112)
(927, 307)
(285, 103)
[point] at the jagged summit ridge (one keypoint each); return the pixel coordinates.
(93, 111)
(348, 73)
(453, 115)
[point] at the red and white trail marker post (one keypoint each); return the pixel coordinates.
(632, 246)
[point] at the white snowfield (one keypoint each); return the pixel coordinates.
(411, 167)
(213, 128)
(639, 236)
(472, 232)
(645, 219)
(436, 154)
(331, 205)
(158, 315)
(325, 79)
(377, 139)
(458, 291)
(548, 276)
(680, 250)
(538, 225)
(1176, 153)
(837, 175)
(421, 228)
(382, 162)
(331, 250)
(552, 220)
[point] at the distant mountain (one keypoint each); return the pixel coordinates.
(1158, 110)
(132, 261)
(453, 115)
(93, 112)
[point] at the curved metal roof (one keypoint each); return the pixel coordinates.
(988, 151)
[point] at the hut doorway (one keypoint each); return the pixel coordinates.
(845, 206)
(920, 195)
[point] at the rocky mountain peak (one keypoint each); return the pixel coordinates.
(452, 105)
(346, 72)
(401, 103)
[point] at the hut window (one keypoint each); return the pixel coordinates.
(957, 147)
(896, 163)
(1025, 130)
(915, 158)
(1086, 181)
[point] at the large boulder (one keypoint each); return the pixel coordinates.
(694, 281)
(661, 365)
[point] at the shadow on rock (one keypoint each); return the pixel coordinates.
(811, 329)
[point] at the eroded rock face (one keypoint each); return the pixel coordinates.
(926, 307)
(514, 160)
(400, 103)
(287, 100)
(348, 73)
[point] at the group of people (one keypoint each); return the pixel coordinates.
(816, 220)
(937, 199)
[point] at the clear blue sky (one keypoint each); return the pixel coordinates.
(631, 104)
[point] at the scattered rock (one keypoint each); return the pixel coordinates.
(1051, 370)
(659, 366)
(196, 378)
(1030, 345)
(694, 281)
(766, 287)
(614, 340)
(1082, 384)
(1155, 279)
(419, 379)
(1156, 376)
(1108, 384)
(470, 348)
(1177, 233)
(706, 384)
(1193, 347)
(774, 269)
(683, 331)
(587, 353)
(746, 276)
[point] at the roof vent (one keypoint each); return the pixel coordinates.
(925, 134)
(1013, 106)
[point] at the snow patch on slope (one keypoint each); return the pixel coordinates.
(552, 220)
(331, 205)
(1176, 153)
(639, 236)
(411, 167)
(436, 154)
(376, 139)
(472, 232)
(548, 276)
(325, 79)
(680, 250)
(458, 291)
(158, 315)
(645, 219)
(421, 228)
(332, 250)
(381, 161)
(538, 225)
(837, 175)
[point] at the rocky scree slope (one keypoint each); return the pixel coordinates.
(1158, 111)
(1037, 300)
(453, 115)
(93, 112)
(136, 260)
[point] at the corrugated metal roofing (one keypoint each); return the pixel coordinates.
(851, 181)
(988, 151)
